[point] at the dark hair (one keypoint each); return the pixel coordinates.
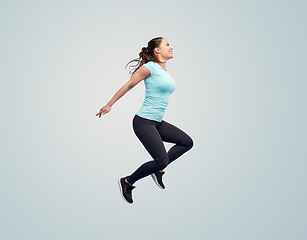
(146, 54)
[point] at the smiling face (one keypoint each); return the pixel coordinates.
(165, 51)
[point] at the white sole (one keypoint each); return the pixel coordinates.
(121, 191)
(156, 180)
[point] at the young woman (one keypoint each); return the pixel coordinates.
(148, 123)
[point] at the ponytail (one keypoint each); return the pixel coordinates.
(146, 54)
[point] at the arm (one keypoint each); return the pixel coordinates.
(138, 76)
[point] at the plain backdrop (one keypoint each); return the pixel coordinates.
(240, 71)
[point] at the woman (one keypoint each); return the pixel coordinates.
(148, 123)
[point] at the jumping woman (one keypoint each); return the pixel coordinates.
(148, 123)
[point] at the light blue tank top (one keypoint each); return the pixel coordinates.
(159, 86)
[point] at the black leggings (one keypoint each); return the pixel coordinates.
(152, 134)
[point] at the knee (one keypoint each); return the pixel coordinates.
(188, 143)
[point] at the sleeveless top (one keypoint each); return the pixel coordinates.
(159, 86)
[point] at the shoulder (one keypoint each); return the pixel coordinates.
(151, 65)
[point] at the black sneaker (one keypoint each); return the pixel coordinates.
(125, 190)
(157, 177)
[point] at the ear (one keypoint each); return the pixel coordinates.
(157, 50)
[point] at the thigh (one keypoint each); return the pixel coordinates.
(148, 134)
(172, 134)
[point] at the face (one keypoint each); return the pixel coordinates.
(165, 50)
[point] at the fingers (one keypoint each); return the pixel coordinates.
(99, 113)
(103, 112)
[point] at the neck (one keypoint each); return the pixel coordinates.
(162, 63)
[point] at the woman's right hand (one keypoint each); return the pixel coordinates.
(105, 109)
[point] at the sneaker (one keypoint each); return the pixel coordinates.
(157, 177)
(125, 190)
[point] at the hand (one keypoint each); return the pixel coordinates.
(105, 109)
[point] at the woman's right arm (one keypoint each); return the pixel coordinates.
(138, 76)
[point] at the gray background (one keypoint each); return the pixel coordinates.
(240, 70)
